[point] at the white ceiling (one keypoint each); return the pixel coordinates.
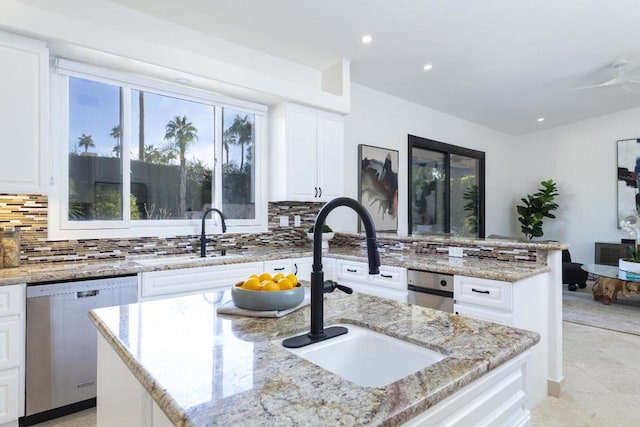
(499, 63)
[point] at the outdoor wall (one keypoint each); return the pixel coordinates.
(383, 120)
(581, 158)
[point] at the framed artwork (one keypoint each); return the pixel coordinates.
(378, 186)
(628, 171)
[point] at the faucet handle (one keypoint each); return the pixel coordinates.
(330, 286)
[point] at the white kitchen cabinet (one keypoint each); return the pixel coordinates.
(512, 304)
(12, 353)
(24, 110)
(390, 283)
(283, 266)
(302, 267)
(306, 151)
(158, 284)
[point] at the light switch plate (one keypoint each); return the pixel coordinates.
(456, 252)
(296, 220)
(284, 221)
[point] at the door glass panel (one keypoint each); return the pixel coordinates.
(95, 164)
(238, 165)
(172, 157)
(464, 172)
(428, 192)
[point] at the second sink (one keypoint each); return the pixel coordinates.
(368, 358)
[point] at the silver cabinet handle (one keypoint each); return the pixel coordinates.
(87, 294)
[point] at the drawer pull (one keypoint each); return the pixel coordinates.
(480, 291)
(279, 269)
(352, 270)
(386, 276)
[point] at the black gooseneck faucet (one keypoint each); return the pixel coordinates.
(203, 237)
(318, 287)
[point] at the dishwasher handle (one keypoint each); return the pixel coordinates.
(87, 294)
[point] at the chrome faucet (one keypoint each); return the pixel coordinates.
(203, 237)
(318, 285)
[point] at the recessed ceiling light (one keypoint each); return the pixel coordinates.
(367, 39)
(540, 119)
(427, 67)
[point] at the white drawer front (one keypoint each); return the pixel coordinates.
(484, 292)
(9, 342)
(284, 266)
(191, 280)
(390, 277)
(349, 270)
(485, 314)
(9, 391)
(10, 299)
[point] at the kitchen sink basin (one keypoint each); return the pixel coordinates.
(367, 358)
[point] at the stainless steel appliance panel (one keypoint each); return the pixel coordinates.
(433, 290)
(61, 340)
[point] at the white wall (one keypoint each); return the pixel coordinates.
(581, 158)
(383, 120)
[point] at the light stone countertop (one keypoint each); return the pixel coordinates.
(469, 266)
(208, 369)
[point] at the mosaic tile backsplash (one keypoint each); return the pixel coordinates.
(29, 214)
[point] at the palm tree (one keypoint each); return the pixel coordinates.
(241, 128)
(182, 133)
(86, 141)
(116, 133)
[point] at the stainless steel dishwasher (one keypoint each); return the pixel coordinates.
(61, 343)
(433, 290)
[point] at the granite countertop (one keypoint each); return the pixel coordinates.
(227, 371)
(470, 266)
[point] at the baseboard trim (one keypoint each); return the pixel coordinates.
(555, 387)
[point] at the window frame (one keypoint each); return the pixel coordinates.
(60, 227)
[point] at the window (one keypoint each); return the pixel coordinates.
(446, 188)
(148, 158)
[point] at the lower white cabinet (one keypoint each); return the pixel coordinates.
(157, 284)
(512, 304)
(12, 353)
(390, 283)
(302, 267)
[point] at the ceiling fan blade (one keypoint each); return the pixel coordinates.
(611, 82)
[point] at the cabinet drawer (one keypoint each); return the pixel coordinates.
(11, 299)
(349, 270)
(483, 292)
(189, 280)
(485, 314)
(283, 266)
(9, 392)
(390, 277)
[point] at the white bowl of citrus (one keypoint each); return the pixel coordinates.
(266, 292)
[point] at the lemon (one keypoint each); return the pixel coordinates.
(251, 284)
(265, 276)
(269, 286)
(254, 275)
(277, 277)
(293, 278)
(285, 284)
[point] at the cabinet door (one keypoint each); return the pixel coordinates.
(9, 391)
(302, 267)
(301, 147)
(23, 110)
(330, 156)
(485, 314)
(10, 341)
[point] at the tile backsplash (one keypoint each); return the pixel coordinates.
(29, 213)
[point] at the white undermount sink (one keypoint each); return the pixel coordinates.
(367, 358)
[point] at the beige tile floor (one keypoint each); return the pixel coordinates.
(602, 387)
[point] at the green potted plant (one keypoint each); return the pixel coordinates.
(327, 234)
(536, 207)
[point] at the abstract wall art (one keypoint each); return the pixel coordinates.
(628, 171)
(378, 185)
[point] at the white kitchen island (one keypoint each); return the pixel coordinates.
(176, 362)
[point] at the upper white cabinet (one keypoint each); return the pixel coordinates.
(23, 113)
(306, 151)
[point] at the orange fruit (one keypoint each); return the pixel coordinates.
(264, 276)
(251, 284)
(285, 284)
(293, 278)
(269, 286)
